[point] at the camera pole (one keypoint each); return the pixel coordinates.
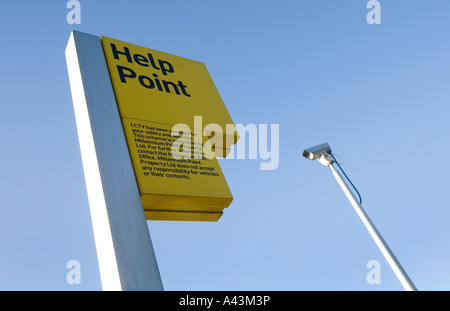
(384, 248)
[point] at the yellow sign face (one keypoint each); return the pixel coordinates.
(174, 122)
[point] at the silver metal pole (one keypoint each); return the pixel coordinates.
(124, 248)
(393, 262)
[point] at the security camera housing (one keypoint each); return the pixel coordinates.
(316, 152)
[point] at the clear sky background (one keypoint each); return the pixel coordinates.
(378, 94)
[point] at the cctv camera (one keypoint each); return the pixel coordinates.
(317, 151)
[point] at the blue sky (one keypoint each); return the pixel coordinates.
(378, 94)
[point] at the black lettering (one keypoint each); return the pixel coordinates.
(183, 88)
(126, 52)
(164, 70)
(122, 74)
(151, 85)
(166, 86)
(141, 60)
(152, 61)
(158, 83)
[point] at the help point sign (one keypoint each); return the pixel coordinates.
(164, 102)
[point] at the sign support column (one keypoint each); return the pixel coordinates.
(124, 248)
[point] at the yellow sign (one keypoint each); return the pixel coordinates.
(171, 111)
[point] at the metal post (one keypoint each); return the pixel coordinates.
(395, 265)
(124, 248)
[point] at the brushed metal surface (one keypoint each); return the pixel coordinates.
(124, 248)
